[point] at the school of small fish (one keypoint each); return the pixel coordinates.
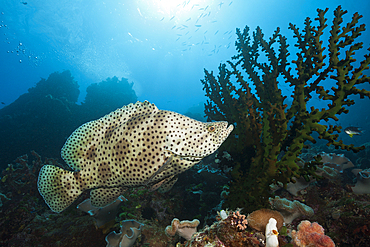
(206, 19)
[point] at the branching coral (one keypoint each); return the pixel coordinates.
(269, 134)
(239, 220)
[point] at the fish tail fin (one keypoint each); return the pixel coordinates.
(58, 187)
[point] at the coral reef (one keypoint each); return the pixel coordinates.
(225, 232)
(270, 135)
(337, 161)
(259, 219)
(102, 215)
(290, 209)
(58, 85)
(30, 122)
(311, 234)
(271, 233)
(362, 185)
(107, 96)
(184, 228)
(25, 219)
(239, 220)
(130, 231)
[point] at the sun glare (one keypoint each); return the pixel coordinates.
(170, 8)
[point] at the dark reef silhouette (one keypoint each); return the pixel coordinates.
(43, 118)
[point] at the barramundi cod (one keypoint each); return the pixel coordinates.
(136, 145)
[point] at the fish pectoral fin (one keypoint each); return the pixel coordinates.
(168, 185)
(58, 187)
(102, 197)
(157, 185)
(161, 169)
(165, 184)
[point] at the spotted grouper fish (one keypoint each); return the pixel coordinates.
(137, 145)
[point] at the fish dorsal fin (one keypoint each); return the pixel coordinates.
(80, 147)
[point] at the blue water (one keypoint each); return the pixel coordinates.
(160, 46)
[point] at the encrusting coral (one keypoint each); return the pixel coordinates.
(102, 215)
(337, 161)
(183, 228)
(130, 230)
(269, 134)
(229, 230)
(290, 209)
(362, 185)
(260, 218)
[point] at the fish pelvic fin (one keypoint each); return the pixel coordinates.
(58, 187)
(351, 135)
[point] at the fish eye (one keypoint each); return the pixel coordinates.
(211, 128)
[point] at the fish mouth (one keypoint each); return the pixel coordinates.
(229, 128)
(225, 131)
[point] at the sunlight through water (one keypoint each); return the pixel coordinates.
(175, 9)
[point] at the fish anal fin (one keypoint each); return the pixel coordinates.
(168, 185)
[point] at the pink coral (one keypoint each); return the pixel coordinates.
(311, 234)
